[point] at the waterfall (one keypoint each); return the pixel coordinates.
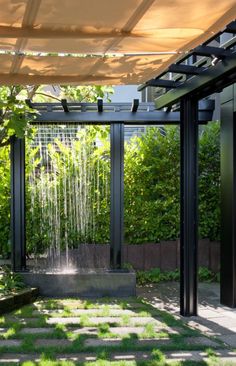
(68, 183)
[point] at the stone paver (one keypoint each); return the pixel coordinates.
(122, 331)
(84, 330)
(208, 313)
(53, 342)
(178, 356)
(229, 340)
(97, 312)
(139, 330)
(201, 341)
(223, 355)
(171, 330)
(223, 322)
(213, 318)
(22, 321)
(101, 320)
(211, 329)
(76, 320)
(110, 342)
(97, 342)
(10, 342)
(126, 330)
(67, 320)
(36, 330)
(114, 330)
(76, 357)
(145, 321)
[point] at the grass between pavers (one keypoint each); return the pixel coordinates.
(14, 324)
(120, 363)
(104, 358)
(157, 359)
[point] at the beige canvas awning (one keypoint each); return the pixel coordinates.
(102, 42)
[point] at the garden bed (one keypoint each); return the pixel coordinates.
(17, 299)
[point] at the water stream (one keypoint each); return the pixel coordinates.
(68, 193)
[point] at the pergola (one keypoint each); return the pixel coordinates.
(171, 45)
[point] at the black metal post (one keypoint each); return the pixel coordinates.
(188, 226)
(228, 197)
(117, 194)
(18, 254)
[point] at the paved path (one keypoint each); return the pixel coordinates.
(213, 318)
(121, 330)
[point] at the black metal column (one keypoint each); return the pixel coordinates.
(117, 194)
(18, 204)
(188, 225)
(228, 197)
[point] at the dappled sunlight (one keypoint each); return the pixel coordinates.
(89, 27)
(106, 330)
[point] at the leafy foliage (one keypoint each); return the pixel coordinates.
(152, 185)
(10, 281)
(14, 120)
(15, 114)
(4, 202)
(209, 182)
(155, 275)
(206, 275)
(151, 188)
(86, 93)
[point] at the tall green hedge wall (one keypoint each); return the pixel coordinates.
(152, 177)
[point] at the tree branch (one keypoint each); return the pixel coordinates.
(47, 95)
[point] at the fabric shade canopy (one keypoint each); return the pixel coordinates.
(101, 42)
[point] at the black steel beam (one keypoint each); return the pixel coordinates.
(211, 51)
(186, 69)
(212, 80)
(135, 105)
(205, 60)
(160, 83)
(65, 105)
(231, 43)
(144, 118)
(18, 254)
(231, 27)
(228, 198)
(100, 105)
(188, 214)
(117, 195)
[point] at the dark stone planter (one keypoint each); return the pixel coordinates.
(92, 284)
(14, 301)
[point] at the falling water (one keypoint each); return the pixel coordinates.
(68, 172)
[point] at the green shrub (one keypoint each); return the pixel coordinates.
(4, 202)
(152, 185)
(209, 182)
(206, 275)
(10, 281)
(155, 275)
(152, 176)
(152, 179)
